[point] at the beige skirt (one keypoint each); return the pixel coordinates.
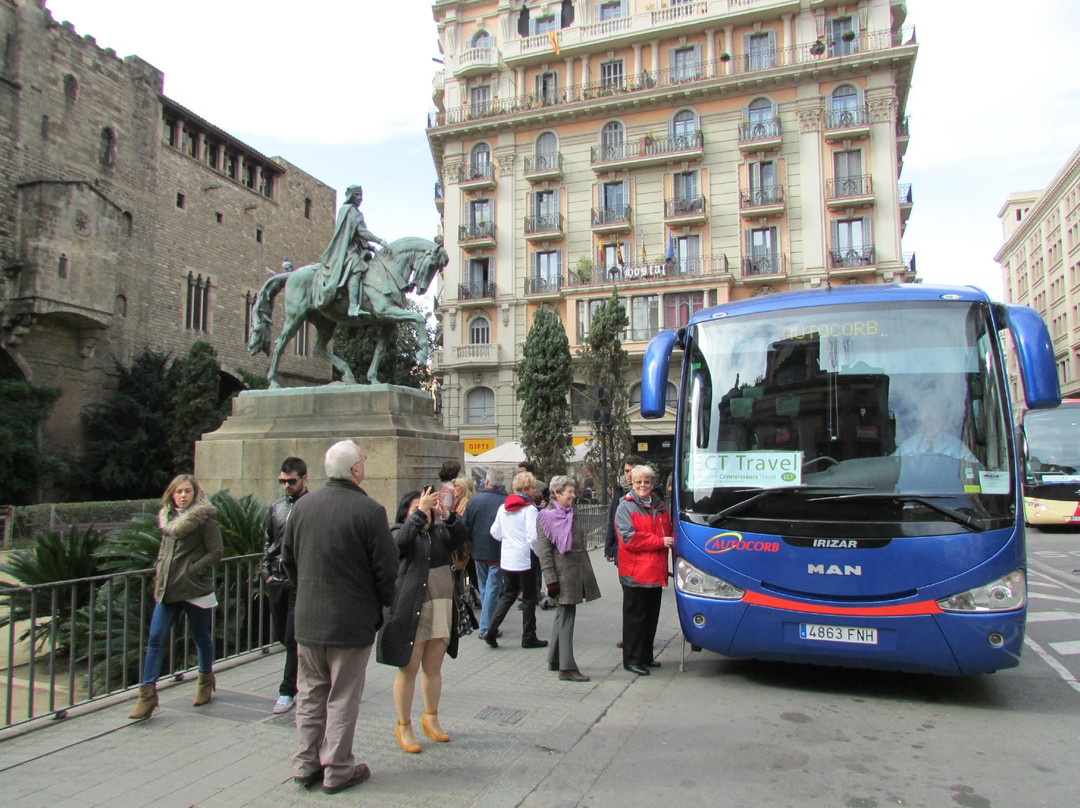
(437, 612)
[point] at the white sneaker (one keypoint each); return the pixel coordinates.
(283, 704)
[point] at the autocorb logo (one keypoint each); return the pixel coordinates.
(726, 542)
(834, 569)
(788, 476)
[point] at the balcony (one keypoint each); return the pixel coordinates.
(847, 124)
(906, 203)
(544, 286)
(544, 227)
(611, 219)
(903, 136)
(440, 196)
(766, 201)
(649, 151)
(852, 258)
(473, 60)
(646, 274)
(543, 167)
(476, 177)
(684, 210)
(767, 265)
(478, 236)
(760, 136)
(484, 290)
(482, 353)
(856, 191)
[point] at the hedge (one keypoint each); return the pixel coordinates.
(29, 519)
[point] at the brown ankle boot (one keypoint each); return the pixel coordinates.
(147, 703)
(206, 685)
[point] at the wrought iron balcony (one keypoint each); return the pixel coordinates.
(478, 231)
(848, 118)
(858, 185)
(769, 196)
(646, 273)
(543, 166)
(476, 291)
(611, 217)
(759, 135)
(438, 190)
(772, 263)
(647, 151)
(543, 284)
(851, 257)
(476, 173)
(692, 207)
(904, 192)
(544, 223)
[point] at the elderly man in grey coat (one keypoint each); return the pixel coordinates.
(338, 551)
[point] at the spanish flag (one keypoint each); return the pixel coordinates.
(554, 41)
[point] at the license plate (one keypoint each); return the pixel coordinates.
(813, 631)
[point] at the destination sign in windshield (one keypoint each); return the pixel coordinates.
(751, 468)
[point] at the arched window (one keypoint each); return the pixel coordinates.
(480, 406)
(611, 141)
(480, 159)
(480, 331)
(845, 97)
(684, 124)
(108, 147)
(547, 145)
(760, 111)
(71, 87)
(481, 39)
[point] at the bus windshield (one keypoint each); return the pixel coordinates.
(1053, 444)
(880, 419)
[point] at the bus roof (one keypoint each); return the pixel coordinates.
(838, 295)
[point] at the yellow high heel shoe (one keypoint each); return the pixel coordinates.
(411, 748)
(440, 737)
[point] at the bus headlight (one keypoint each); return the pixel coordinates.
(1005, 594)
(692, 581)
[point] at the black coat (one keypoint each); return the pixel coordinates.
(396, 638)
(478, 518)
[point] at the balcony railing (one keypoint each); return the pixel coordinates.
(856, 185)
(648, 81)
(768, 196)
(544, 223)
(851, 257)
(477, 231)
(903, 191)
(767, 264)
(611, 214)
(684, 206)
(544, 163)
(439, 194)
(476, 291)
(473, 173)
(646, 147)
(543, 284)
(847, 118)
(903, 128)
(760, 130)
(480, 350)
(649, 273)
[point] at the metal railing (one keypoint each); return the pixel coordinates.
(761, 197)
(439, 194)
(646, 147)
(856, 185)
(593, 519)
(543, 284)
(473, 291)
(476, 173)
(544, 223)
(70, 643)
(543, 163)
(611, 214)
(684, 206)
(475, 232)
(759, 130)
(768, 264)
(852, 257)
(647, 273)
(903, 191)
(847, 117)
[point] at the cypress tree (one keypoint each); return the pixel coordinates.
(544, 378)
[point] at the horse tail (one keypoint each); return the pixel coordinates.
(263, 314)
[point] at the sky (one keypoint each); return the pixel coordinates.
(342, 91)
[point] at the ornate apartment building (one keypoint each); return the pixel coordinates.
(1040, 263)
(685, 153)
(128, 222)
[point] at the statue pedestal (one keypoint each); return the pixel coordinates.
(394, 426)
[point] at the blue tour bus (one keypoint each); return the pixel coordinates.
(847, 486)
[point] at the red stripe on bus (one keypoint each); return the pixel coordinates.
(922, 607)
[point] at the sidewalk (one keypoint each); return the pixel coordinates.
(512, 722)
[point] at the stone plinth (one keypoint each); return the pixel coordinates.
(394, 426)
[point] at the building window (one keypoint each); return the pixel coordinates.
(478, 280)
(191, 140)
(611, 141)
(481, 39)
(581, 405)
(678, 308)
(613, 256)
(547, 88)
(71, 87)
(544, 211)
(302, 340)
(686, 253)
(220, 217)
(212, 154)
(761, 182)
(611, 75)
(479, 101)
(480, 406)
(762, 252)
(644, 317)
(843, 35)
(684, 186)
(844, 107)
(480, 331)
(610, 10)
(760, 50)
(546, 269)
(45, 136)
(852, 243)
(249, 175)
(683, 127)
(62, 265)
(685, 64)
(307, 208)
(108, 147)
(480, 214)
(129, 224)
(541, 25)
(480, 161)
(230, 165)
(180, 200)
(258, 235)
(586, 311)
(266, 185)
(197, 312)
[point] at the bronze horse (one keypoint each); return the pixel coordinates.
(402, 265)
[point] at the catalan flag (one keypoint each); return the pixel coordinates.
(554, 39)
(618, 253)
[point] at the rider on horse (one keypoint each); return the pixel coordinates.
(345, 260)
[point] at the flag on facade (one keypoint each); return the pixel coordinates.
(600, 256)
(554, 41)
(618, 253)
(644, 260)
(670, 248)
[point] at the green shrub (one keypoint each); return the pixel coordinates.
(30, 519)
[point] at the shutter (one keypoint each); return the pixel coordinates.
(867, 233)
(671, 59)
(697, 61)
(558, 263)
(532, 203)
(772, 49)
(532, 26)
(835, 226)
(625, 193)
(749, 244)
(555, 202)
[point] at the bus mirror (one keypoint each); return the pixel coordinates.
(1035, 356)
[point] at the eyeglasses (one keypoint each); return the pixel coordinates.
(288, 480)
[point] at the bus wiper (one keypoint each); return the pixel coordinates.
(926, 500)
(720, 516)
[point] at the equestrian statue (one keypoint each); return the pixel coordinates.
(350, 284)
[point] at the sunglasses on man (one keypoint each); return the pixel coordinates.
(288, 480)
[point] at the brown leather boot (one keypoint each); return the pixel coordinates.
(147, 703)
(206, 685)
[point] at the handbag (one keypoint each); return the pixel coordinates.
(466, 618)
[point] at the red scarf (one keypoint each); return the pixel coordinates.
(515, 502)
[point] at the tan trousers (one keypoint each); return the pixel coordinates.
(331, 683)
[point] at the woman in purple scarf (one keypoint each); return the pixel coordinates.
(567, 572)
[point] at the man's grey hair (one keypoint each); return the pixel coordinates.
(496, 477)
(340, 458)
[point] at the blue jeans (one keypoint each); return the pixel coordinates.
(161, 624)
(490, 584)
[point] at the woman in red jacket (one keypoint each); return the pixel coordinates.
(643, 527)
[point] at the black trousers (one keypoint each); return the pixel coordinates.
(282, 607)
(513, 583)
(640, 614)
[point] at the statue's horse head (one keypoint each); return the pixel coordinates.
(416, 260)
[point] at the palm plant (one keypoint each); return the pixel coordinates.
(242, 522)
(132, 546)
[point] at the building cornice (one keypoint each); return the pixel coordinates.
(1037, 211)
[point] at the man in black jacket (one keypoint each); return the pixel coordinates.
(611, 541)
(293, 477)
(338, 551)
(478, 519)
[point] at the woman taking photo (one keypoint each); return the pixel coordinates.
(183, 582)
(422, 626)
(567, 572)
(643, 528)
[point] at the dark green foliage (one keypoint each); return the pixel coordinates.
(23, 408)
(127, 437)
(544, 378)
(606, 364)
(357, 347)
(242, 522)
(252, 381)
(133, 546)
(197, 403)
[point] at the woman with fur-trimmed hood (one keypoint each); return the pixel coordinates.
(183, 581)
